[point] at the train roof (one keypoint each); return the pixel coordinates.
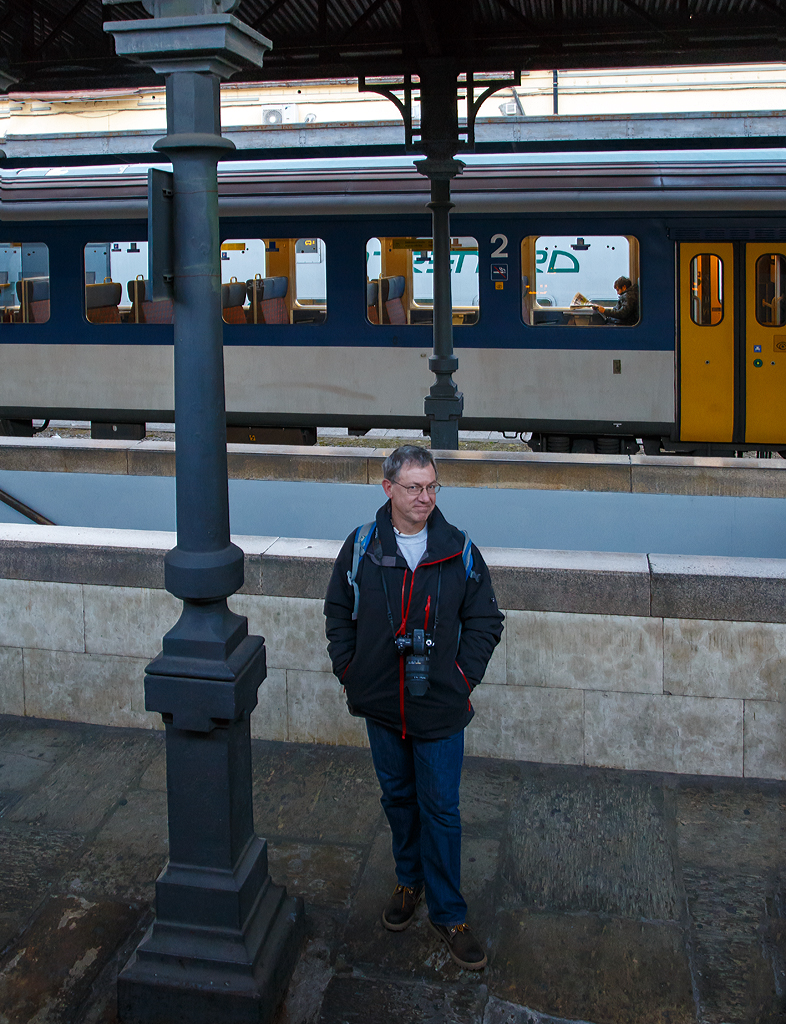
(694, 180)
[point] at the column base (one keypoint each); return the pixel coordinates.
(164, 983)
(443, 413)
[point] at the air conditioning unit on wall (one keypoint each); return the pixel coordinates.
(286, 114)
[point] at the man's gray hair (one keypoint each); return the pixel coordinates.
(406, 455)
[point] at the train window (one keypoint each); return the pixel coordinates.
(770, 282)
(24, 282)
(706, 289)
(400, 280)
(117, 290)
(273, 281)
(569, 280)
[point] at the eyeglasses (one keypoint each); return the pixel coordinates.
(415, 490)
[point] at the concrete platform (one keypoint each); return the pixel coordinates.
(627, 474)
(604, 897)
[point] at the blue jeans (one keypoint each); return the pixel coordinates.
(420, 795)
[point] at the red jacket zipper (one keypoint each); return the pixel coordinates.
(469, 702)
(403, 628)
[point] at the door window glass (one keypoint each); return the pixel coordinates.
(706, 289)
(770, 281)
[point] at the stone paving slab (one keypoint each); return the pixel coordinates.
(603, 897)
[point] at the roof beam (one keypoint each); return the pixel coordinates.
(773, 6)
(428, 27)
(12, 9)
(647, 19)
(506, 5)
(61, 26)
(267, 13)
(364, 17)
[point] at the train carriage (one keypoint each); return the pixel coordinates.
(326, 301)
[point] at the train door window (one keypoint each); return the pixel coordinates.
(273, 281)
(117, 289)
(770, 283)
(706, 289)
(400, 280)
(565, 276)
(24, 282)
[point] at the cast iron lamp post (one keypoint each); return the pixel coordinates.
(439, 128)
(225, 939)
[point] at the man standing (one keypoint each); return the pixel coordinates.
(412, 622)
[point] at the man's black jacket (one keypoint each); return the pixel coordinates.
(627, 309)
(363, 653)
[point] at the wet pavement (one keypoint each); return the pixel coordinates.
(603, 896)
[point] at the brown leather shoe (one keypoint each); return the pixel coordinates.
(462, 945)
(400, 908)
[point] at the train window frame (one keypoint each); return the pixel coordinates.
(576, 311)
(276, 293)
(391, 298)
(29, 304)
(692, 300)
(760, 301)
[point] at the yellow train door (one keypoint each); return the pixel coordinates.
(706, 349)
(764, 362)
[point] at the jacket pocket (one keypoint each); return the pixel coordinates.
(468, 684)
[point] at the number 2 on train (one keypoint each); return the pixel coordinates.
(502, 249)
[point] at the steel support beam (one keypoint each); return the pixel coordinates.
(225, 939)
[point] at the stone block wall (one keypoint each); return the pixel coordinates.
(662, 663)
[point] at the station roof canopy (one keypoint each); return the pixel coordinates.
(52, 45)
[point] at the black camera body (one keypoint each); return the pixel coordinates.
(416, 663)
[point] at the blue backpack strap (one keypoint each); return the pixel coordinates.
(466, 558)
(363, 536)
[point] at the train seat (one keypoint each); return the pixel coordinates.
(268, 299)
(372, 301)
(392, 295)
(143, 309)
(233, 295)
(101, 302)
(33, 293)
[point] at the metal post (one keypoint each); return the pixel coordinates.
(444, 404)
(225, 939)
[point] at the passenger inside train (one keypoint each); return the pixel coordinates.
(626, 309)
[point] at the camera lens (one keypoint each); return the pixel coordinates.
(416, 674)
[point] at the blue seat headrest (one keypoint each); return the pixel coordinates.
(372, 293)
(108, 293)
(233, 294)
(392, 287)
(141, 288)
(37, 288)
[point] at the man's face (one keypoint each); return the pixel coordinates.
(409, 512)
(621, 289)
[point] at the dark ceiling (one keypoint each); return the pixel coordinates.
(60, 44)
